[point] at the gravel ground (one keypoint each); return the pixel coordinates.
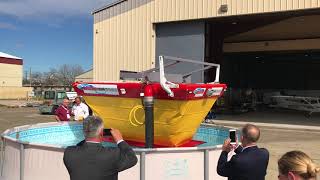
(11, 117)
(280, 141)
(277, 141)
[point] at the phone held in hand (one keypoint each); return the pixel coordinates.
(232, 136)
(107, 132)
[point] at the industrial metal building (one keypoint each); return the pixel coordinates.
(87, 76)
(260, 44)
(10, 70)
(11, 75)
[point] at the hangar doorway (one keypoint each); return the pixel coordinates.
(261, 56)
(267, 60)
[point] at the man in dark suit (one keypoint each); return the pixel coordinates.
(89, 160)
(249, 162)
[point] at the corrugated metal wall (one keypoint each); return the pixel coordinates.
(11, 75)
(173, 10)
(85, 77)
(15, 92)
(124, 41)
(124, 35)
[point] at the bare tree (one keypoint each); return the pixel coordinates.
(37, 78)
(52, 77)
(65, 74)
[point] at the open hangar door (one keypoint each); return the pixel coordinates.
(270, 59)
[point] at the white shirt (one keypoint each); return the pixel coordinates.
(80, 110)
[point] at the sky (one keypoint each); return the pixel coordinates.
(48, 33)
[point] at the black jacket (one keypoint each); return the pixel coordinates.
(92, 161)
(249, 164)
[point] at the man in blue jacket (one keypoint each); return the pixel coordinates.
(249, 162)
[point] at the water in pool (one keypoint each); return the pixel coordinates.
(71, 134)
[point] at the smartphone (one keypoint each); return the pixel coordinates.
(232, 136)
(106, 132)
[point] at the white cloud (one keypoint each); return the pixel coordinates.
(4, 25)
(19, 45)
(40, 9)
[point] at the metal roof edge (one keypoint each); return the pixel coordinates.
(9, 56)
(88, 70)
(107, 6)
(84, 72)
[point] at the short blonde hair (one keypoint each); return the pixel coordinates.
(298, 163)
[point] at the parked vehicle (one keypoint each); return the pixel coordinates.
(52, 100)
(71, 95)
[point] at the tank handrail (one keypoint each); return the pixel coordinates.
(209, 65)
(163, 80)
(166, 85)
(143, 75)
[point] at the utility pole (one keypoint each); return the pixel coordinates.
(30, 77)
(26, 77)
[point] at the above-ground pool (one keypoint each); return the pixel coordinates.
(36, 152)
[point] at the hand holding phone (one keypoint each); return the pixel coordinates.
(116, 134)
(107, 132)
(232, 136)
